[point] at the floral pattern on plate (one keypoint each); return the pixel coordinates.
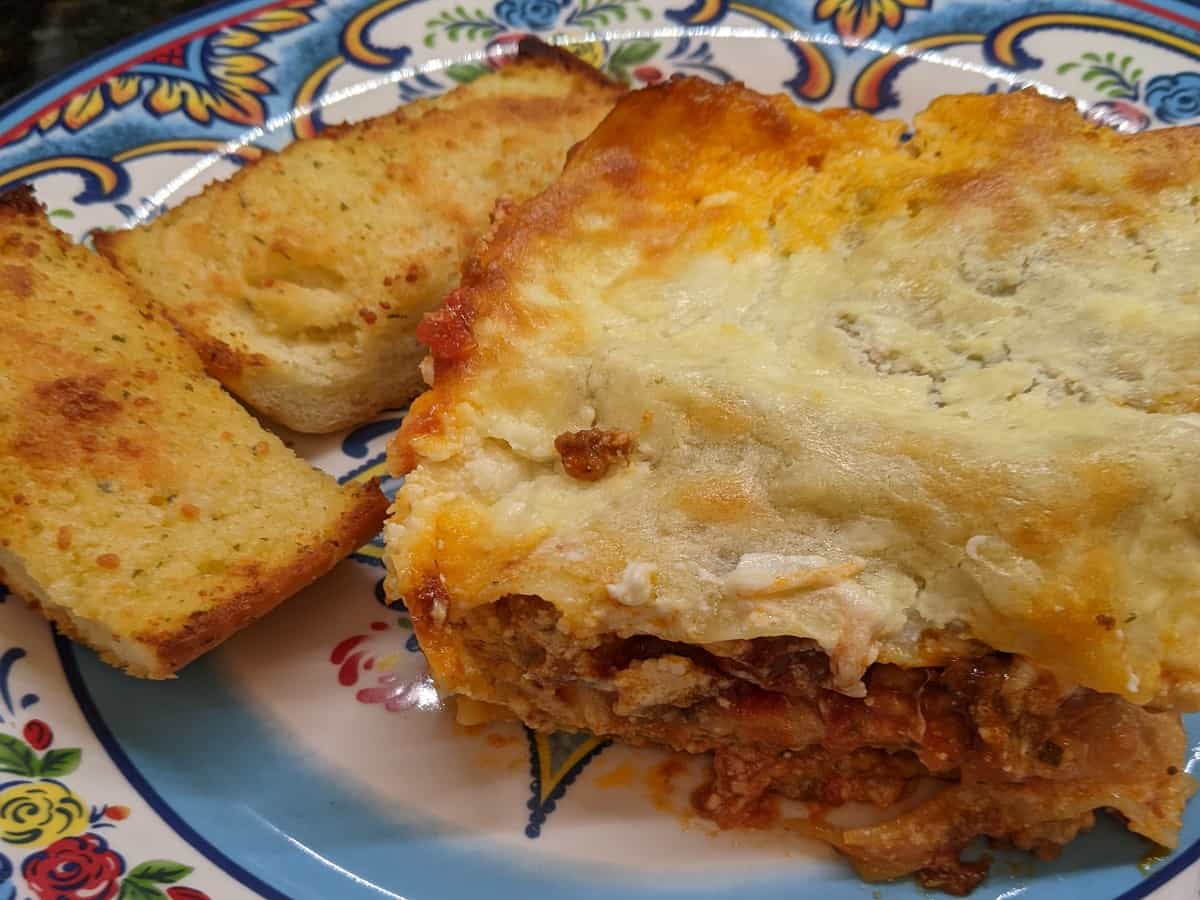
(50, 837)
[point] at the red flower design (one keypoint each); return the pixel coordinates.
(186, 893)
(503, 49)
(116, 813)
(1124, 117)
(171, 56)
(74, 868)
(37, 734)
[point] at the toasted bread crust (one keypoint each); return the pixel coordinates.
(20, 201)
(143, 510)
(296, 320)
(65, 626)
(532, 48)
(207, 629)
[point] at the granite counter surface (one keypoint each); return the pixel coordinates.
(40, 38)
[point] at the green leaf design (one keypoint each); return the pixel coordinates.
(61, 214)
(465, 73)
(472, 29)
(17, 757)
(1135, 76)
(459, 22)
(1110, 57)
(136, 889)
(57, 763)
(1092, 57)
(160, 871)
(1125, 62)
(633, 53)
(1067, 67)
(1092, 74)
(604, 12)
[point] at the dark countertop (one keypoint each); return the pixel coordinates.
(39, 38)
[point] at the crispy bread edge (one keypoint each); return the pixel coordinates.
(21, 200)
(63, 624)
(232, 613)
(530, 49)
(174, 650)
(533, 48)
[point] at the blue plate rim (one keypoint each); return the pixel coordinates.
(23, 106)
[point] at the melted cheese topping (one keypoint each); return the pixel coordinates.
(878, 392)
(763, 574)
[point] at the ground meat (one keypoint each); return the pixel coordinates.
(794, 666)
(866, 775)
(1022, 760)
(588, 455)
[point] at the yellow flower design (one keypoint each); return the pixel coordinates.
(37, 813)
(232, 91)
(591, 52)
(215, 77)
(859, 19)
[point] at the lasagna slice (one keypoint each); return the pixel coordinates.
(849, 460)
